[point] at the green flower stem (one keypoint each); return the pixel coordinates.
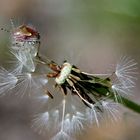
(130, 104)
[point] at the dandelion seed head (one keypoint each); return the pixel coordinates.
(111, 111)
(77, 123)
(18, 68)
(41, 122)
(74, 123)
(28, 83)
(121, 89)
(126, 70)
(62, 136)
(93, 115)
(67, 123)
(25, 59)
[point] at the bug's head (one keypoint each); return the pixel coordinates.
(25, 33)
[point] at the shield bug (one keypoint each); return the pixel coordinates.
(25, 45)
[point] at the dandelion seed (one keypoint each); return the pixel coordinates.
(18, 68)
(74, 123)
(55, 116)
(93, 115)
(67, 123)
(111, 110)
(120, 89)
(77, 122)
(25, 59)
(63, 114)
(41, 122)
(29, 83)
(7, 81)
(46, 121)
(62, 136)
(126, 70)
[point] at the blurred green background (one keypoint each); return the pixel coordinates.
(92, 34)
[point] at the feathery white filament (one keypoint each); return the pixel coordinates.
(46, 121)
(24, 84)
(26, 59)
(82, 97)
(29, 83)
(7, 81)
(76, 122)
(62, 136)
(73, 123)
(41, 122)
(97, 74)
(93, 115)
(121, 89)
(92, 111)
(111, 110)
(126, 71)
(63, 114)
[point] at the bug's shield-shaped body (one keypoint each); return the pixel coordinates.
(25, 45)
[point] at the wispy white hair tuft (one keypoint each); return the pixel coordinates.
(7, 81)
(126, 71)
